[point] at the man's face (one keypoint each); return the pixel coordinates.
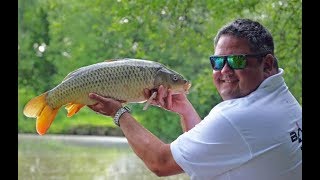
(236, 83)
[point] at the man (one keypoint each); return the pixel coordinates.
(255, 133)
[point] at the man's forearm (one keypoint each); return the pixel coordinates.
(155, 153)
(189, 118)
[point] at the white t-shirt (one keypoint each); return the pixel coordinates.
(257, 137)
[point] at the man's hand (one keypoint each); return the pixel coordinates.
(167, 100)
(104, 105)
(164, 99)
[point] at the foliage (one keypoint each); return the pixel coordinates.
(56, 37)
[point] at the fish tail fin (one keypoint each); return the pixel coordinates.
(73, 108)
(45, 119)
(34, 107)
(38, 108)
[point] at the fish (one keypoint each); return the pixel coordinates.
(122, 79)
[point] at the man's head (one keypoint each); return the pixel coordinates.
(238, 76)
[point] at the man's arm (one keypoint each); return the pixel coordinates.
(156, 154)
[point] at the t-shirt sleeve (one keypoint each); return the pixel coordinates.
(212, 147)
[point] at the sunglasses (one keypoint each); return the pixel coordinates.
(234, 61)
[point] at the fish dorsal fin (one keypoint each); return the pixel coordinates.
(111, 60)
(71, 74)
(80, 70)
(77, 71)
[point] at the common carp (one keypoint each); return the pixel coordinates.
(121, 79)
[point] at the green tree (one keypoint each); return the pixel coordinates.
(56, 37)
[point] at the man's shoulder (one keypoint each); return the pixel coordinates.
(238, 103)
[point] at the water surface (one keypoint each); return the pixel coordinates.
(76, 157)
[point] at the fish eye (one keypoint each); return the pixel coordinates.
(174, 78)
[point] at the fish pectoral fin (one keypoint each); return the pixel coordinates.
(45, 119)
(154, 94)
(73, 108)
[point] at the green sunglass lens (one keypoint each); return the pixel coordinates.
(237, 62)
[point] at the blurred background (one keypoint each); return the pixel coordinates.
(56, 37)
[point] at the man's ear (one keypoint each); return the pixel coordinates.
(268, 66)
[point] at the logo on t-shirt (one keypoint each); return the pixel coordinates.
(296, 135)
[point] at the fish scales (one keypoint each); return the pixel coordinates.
(120, 80)
(123, 79)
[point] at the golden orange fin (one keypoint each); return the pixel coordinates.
(45, 119)
(73, 108)
(34, 107)
(38, 108)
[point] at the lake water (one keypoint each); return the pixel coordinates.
(65, 157)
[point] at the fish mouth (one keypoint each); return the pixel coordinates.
(186, 87)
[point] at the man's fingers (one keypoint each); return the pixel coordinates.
(95, 96)
(169, 99)
(160, 95)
